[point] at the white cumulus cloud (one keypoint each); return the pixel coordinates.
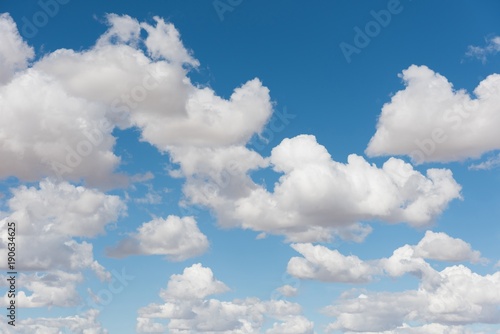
(431, 121)
(446, 301)
(321, 263)
(440, 246)
(59, 113)
(48, 219)
(315, 197)
(459, 296)
(188, 310)
(177, 238)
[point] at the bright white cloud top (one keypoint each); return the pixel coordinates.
(85, 95)
(186, 306)
(317, 197)
(447, 300)
(177, 238)
(114, 155)
(430, 121)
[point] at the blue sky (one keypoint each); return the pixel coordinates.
(231, 167)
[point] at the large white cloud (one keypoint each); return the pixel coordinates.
(461, 297)
(48, 218)
(429, 120)
(189, 310)
(323, 264)
(446, 301)
(59, 113)
(316, 196)
(48, 132)
(177, 238)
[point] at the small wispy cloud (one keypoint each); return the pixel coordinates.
(138, 178)
(490, 163)
(492, 47)
(151, 197)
